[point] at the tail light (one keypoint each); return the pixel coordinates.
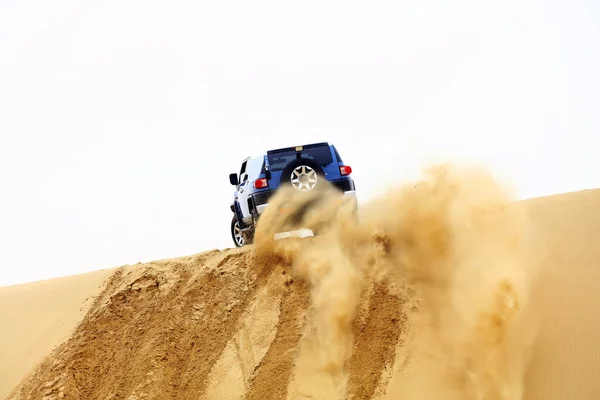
(261, 183)
(345, 170)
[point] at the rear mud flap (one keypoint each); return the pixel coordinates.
(299, 233)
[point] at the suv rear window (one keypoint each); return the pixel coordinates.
(278, 160)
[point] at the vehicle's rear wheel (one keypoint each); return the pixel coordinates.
(236, 233)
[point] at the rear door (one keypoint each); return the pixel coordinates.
(243, 191)
(318, 152)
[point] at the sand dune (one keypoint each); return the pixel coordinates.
(38, 316)
(444, 289)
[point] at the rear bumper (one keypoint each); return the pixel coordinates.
(259, 201)
(260, 208)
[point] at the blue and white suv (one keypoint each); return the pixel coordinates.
(259, 178)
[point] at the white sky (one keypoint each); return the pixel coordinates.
(121, 120)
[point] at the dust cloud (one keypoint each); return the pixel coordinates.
(451, 245)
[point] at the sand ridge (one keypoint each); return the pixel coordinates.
(441, 288)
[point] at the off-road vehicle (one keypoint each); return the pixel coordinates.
(303, 167)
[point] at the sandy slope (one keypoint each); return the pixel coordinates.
(566, 360)
(457, 297)
(38, 316)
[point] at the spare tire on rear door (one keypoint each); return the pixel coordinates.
(303, 174)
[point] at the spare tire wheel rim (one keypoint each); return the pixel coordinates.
(304, 178)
